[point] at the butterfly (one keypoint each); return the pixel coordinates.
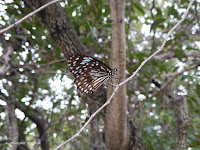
(89, 72)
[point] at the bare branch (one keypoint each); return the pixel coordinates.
(38, 67)
(177, 74)
(173, 76)
(29, 15)
(166, 84)
(170, 54)
(128, 79)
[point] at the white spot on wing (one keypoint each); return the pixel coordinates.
(77, 67)
(103, 68)
(82, 63)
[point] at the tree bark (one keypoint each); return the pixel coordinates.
(22, 138)
(11, 123)
(182, 121)
(116, 133)
(6, 59)
(135, 142)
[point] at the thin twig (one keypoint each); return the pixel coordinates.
(29, 15)
(128, 79)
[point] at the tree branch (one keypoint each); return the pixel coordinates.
(173, 76)
(170, 54)
(164, 86)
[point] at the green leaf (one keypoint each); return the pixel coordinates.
(179, 53)
(139, 9)
(106, 26)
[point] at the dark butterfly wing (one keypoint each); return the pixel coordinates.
(90, 81)
(89, 72)
(97, 83)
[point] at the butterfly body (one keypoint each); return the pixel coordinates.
(89, 72)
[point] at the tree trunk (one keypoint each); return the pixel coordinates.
(116, 134)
